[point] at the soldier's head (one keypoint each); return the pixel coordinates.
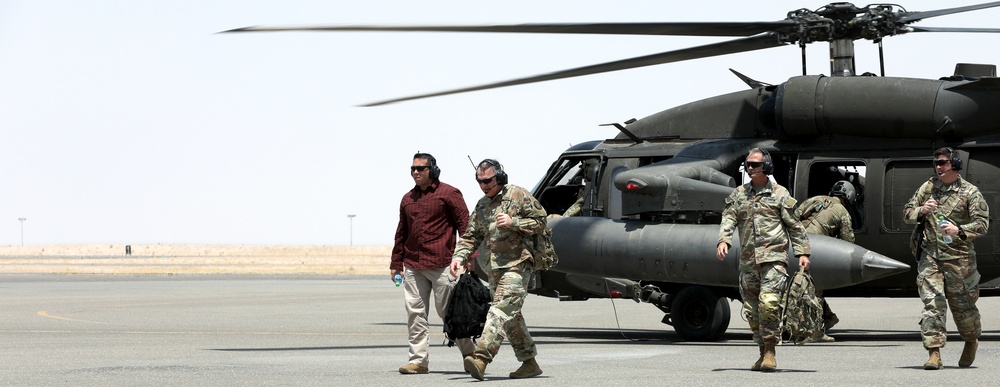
(845, 190)
(491, 177)
(758, 165)
(947, 163)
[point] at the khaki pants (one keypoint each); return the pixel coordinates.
(417, 288)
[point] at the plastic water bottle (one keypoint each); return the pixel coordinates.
(942, 222)
(398, 279)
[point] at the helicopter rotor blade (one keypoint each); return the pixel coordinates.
(685, 29)
(916, 16)
(954, 29)
(728, 47)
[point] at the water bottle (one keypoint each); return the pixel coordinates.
(398, 279)
(942, 222)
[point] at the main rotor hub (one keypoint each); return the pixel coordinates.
(837, 21)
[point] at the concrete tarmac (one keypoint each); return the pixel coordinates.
(340, 330)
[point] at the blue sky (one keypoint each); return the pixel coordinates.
(134, 122)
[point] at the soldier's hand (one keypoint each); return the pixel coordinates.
(804, 262)
(721, 250)
(949, 228)
(504, 220)
(929, 206)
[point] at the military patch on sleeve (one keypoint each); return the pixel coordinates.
(983, 206)
(788, 202)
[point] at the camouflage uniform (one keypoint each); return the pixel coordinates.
(575, 208)
(825, 215)
(946, 273)
(765, 223)
(508, 256)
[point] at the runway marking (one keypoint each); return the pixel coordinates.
(47, 315)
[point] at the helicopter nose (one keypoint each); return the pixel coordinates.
(875, 265)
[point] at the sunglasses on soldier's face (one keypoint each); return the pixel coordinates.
(486, 180)
(941, 162)
(755, 164)
(420, 168)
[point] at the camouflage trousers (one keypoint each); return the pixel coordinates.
(505, 319)
(947, 284)
(761, 287)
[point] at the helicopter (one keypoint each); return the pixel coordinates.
(653, 194)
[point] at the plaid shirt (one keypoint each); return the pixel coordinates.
(428, 224)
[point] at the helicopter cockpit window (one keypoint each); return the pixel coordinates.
(567, 195)
(824, 178)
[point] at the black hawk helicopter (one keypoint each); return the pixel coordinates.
(652, 196)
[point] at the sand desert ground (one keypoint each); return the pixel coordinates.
(194, 259)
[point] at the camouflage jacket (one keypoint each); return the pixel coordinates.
(824, 215)
(765, 223)
(960, 203)
(574, 209)
(504, 246)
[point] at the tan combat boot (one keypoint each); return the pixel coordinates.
(468, 369)
(528, 369)
(475, 366)
(768, 363)
(934, 362)
(756, 366)
(968, 354)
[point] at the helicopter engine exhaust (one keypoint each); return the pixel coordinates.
(685, 253)
(859, 106)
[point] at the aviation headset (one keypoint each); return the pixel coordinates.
(768, 164)
(435, 171)
(501, 176)
(956, 160)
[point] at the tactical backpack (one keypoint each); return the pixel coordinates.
(466, 313)
(802, 311)
(544, 253)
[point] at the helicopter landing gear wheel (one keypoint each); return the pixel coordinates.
(698, 314)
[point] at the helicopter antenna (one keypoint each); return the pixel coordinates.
(471, 162)
(626, 131)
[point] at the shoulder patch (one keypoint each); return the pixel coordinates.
(788, 202)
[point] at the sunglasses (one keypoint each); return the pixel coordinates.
(487, 180)
(755, 164)
(941, 162)
(420, 168)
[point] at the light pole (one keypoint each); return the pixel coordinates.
(351, 217)
(22, 229)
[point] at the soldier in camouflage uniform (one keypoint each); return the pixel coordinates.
(762, 213)
(505, 221)
(946, 272)
(827, 215)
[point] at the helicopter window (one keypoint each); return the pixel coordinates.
(570, 180)
(823, 176)
(900, 176)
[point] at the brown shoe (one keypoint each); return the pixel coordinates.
(968, 354)
(529, 369)
(821, 339)
(468, 369)
(768, 364)
(934, 362)
(756, 365)
(412, 368)
(476, 367)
